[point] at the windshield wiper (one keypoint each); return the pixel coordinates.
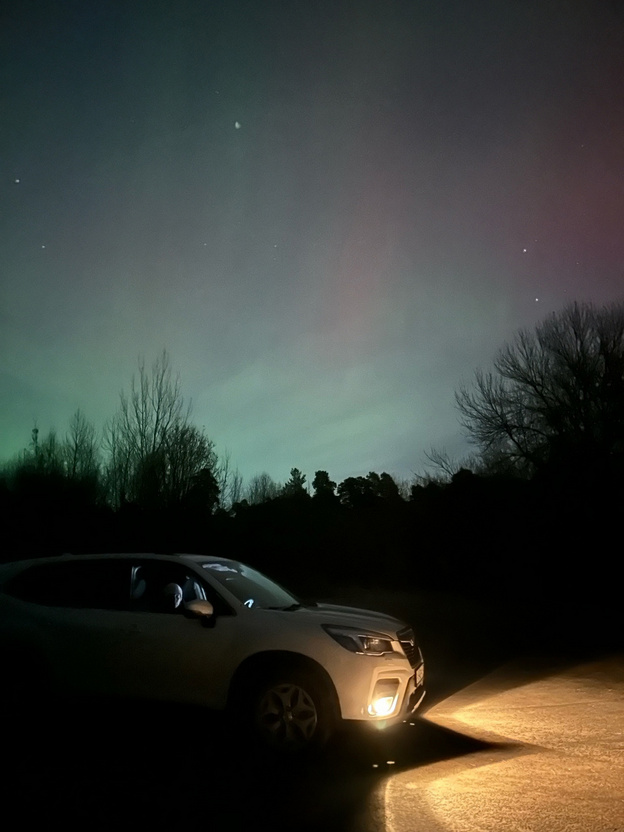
(286, 609)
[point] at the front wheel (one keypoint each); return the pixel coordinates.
(293, 712)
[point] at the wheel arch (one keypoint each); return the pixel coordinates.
(257, 667)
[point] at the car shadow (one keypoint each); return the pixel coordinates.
(101, 764)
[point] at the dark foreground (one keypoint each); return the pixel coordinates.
(98, 766)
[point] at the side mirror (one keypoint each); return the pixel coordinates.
(199, 609)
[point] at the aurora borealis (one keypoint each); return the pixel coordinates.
(329, 213)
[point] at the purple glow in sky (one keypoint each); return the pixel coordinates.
(330, 213)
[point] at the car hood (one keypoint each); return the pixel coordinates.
(352, 617)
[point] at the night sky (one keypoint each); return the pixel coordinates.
(329, 213)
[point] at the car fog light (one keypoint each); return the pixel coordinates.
(384, 699)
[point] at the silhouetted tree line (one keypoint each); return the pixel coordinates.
(534, 511)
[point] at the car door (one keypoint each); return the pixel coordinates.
(168, 653)
(74, 608)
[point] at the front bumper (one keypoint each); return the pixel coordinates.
(414, 696)
(415, 700)
(361, 693)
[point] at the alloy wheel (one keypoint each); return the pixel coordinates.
(287, 715)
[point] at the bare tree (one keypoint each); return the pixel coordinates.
(156, 456)
(119, 466)
(188, 454)
(441, 465)
(556, 396)
(81, 448)
(44, 455)
(261, 488)
(154, 406)
(229, 480)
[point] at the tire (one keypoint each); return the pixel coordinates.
(292, 712)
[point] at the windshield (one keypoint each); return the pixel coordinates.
(251, 588)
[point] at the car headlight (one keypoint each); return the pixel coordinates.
(368, 643)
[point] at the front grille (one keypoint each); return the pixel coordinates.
(410, 648)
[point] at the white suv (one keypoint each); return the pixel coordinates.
(205, 630)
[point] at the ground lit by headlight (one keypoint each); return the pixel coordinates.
(555, 763)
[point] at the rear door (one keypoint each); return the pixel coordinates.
(75, 609)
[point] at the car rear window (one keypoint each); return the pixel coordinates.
(78, 584)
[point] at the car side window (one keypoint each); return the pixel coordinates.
(163, 587)
(78, 584)
(155, 588)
